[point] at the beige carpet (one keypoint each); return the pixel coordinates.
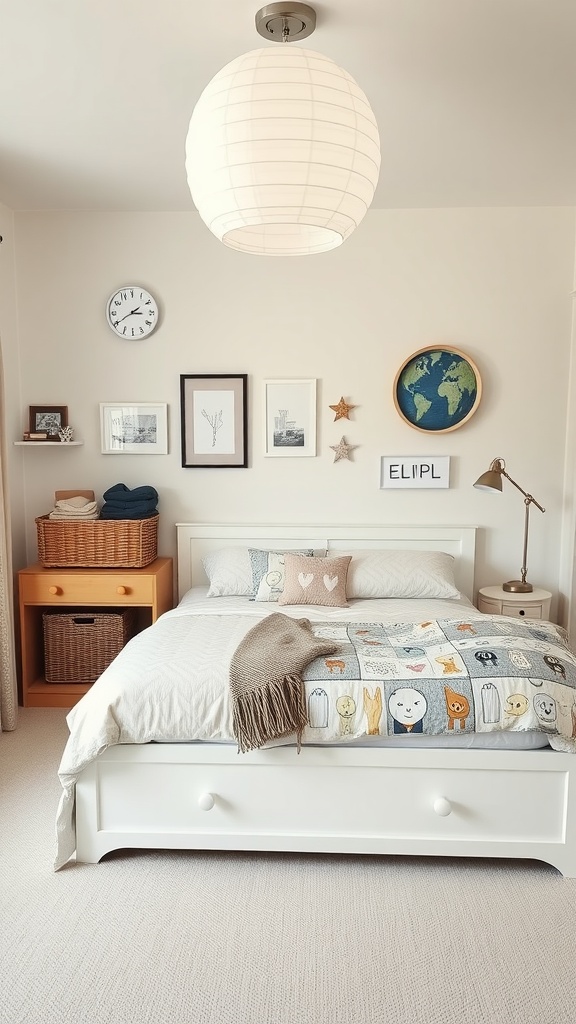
(265, 939)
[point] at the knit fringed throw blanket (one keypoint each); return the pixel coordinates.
(266, 686)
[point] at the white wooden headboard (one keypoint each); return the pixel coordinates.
(194, 540)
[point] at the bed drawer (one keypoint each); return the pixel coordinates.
(87, 588)
(393, 802)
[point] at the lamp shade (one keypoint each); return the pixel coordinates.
(491, 480)
(282, 153)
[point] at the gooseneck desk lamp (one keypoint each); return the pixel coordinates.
(492, 481)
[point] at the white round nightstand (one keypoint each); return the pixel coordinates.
(497, 601)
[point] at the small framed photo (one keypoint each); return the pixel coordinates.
(214, 420)
(134, 428)
(48, 419)
(290, 417)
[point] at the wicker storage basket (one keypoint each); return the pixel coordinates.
(78, 646)
(112, 543)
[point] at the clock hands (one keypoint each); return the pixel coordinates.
(133, 312)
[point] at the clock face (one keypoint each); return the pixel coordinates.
(132, 312)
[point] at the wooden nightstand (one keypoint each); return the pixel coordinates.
(497, 601)
(150, 590)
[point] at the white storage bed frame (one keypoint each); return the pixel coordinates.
(474, 803)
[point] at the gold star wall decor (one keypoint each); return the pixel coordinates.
(342, 410)
(342, 449)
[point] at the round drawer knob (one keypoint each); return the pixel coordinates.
(206, 802)
(442, 806)
(121, 590)
(53, 590)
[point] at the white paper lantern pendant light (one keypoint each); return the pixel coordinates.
(282, 153)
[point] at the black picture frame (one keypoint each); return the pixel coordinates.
(214, 420)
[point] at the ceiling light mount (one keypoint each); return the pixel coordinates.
(286, 22)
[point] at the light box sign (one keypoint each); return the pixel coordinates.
(412, 471)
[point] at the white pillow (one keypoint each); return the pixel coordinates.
(229, 572)
(401, 574)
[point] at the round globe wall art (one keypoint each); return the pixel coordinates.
(437, 389)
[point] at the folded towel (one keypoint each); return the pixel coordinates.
(119, 514)
(119, 492)
(131, 506)
(72, 517)
(76, 506)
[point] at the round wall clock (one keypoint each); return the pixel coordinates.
(437, 389)
(132, 312)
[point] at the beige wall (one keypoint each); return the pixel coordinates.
(495, 283)
(11, 368)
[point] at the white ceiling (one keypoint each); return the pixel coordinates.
(475, 99)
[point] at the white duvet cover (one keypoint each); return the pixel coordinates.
(170, 682)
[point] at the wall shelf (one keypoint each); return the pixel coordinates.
(51, 444)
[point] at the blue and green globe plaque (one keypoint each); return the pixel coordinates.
(437, 389)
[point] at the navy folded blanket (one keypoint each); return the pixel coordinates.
(122, 503)
(119, 492)
(119, 514)
(130, 506)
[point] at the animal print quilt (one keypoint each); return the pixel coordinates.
(443, 676)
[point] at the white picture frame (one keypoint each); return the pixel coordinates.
(290, 418)
(134, 428)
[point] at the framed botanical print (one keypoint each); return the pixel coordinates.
(214, 420)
